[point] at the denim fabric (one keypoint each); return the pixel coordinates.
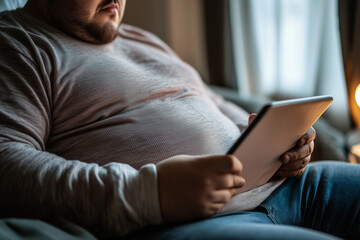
(324, 200)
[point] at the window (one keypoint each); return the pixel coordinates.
(289, 48)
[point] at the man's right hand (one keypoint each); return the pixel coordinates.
(197, 187)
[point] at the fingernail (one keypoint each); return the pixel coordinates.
(301, 142)
(243, 181)
(286, 158)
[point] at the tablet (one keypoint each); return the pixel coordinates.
(275, 130)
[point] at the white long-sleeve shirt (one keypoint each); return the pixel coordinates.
(82, 125)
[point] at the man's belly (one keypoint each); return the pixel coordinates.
(150, 132)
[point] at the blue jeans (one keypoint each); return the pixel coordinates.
(321, 204)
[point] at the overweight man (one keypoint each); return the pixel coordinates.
(102, 124)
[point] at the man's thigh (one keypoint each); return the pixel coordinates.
(236, 225)
(326, 197)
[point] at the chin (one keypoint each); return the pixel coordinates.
(97, 34)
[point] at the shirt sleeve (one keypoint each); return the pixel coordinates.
(113, 199)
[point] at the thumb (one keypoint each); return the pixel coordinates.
(252, 117)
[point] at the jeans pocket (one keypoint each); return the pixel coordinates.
(269, 211)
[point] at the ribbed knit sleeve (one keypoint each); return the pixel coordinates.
(113, 199)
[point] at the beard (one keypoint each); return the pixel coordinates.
(101, 34)
(76, 23)
(91, 32)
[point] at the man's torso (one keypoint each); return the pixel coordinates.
(130, 101)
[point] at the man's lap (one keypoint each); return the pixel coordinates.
(326, 197)
(314, 200)
(235, 225)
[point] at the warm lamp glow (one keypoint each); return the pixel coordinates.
(357, 95)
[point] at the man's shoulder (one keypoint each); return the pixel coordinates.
(11, 30)
(21, 35)
(12, 23)
(21, 20)
(8, 17)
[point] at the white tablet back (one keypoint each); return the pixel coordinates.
(275, 130)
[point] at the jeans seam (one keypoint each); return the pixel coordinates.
(270, 213)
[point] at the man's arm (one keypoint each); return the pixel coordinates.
(110, 199)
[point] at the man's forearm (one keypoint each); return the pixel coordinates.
(111, 199)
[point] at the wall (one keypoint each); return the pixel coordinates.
(148, 14)
(178, 22)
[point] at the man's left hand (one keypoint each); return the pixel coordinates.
(296, 159)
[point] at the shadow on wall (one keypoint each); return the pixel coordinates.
(179, 23)
(150, 15)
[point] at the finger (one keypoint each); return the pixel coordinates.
(227, 180)
(224, 164)
(220, 196)
(297, 153)
(308, 137)
(215, 208)
(284, 173)
(296, 165)
(207, 209)
(252, 117)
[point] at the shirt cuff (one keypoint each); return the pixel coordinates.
(149, 193)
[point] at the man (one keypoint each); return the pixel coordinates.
(104, 125)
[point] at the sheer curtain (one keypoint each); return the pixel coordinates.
(289, 48)
(11, 4)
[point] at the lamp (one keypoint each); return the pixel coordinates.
(353, 87)
(354, 137)
(357, 95)
(348, 12)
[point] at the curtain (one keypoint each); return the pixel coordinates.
(349, 19)
(286, 49)
(11, 4)
(218, 43)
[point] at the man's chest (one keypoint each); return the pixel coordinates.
(97, 83)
